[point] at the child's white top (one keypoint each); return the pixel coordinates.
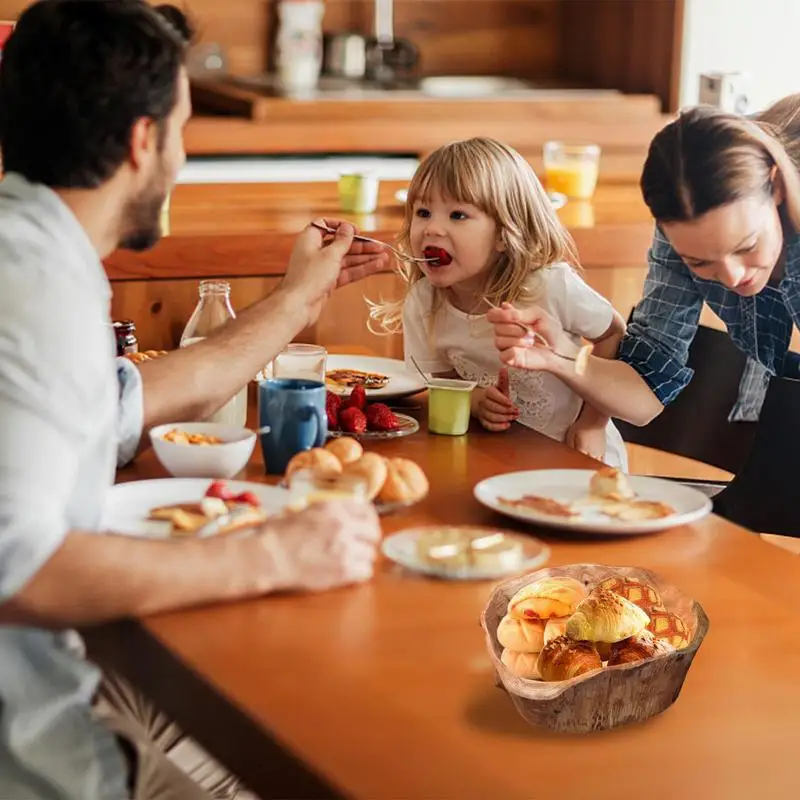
(465, 343)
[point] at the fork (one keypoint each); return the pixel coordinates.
(402, 256)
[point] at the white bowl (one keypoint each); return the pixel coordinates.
(204, 461)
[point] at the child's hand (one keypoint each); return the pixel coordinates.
(587, 438)
(494, 410)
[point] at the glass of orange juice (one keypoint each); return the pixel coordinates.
(571, 169)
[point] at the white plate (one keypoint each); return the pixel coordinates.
(556, 198)
(128, 504)
(402, 549)
(401, 382)
(567, 485)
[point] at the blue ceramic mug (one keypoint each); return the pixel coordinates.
(294, 411)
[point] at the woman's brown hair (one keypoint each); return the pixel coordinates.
(707, 158)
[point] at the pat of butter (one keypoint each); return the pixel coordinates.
(503, 554)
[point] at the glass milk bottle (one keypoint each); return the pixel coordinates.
(212, 312)
(299, 45)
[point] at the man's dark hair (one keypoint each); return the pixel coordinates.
(74, 78)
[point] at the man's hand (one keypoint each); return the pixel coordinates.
(521, 350)
(493, 407)
(319, 263)
(327, 545)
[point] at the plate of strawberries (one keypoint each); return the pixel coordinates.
(352, 415)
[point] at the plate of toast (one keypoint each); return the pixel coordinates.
(606, 501)
(190, 507)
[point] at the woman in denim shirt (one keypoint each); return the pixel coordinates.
(725, 194)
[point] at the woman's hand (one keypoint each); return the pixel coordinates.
(518, 348)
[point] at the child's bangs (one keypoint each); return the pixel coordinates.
(452, 178)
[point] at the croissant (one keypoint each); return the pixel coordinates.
(643, 594)
(546, 598)
(554, 628)
(606, 617)
(523, 665)
(638, 648)
(522, 635)
(565, 658)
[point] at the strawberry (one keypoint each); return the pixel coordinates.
(332, 405)
(219, 489)
(247, 497)
(381, 418)
(352, 420)
(357, 399)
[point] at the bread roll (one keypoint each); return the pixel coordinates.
(638, 592)
(547, 598)
(606, 617)
(612, 484)
(522, 635)
(565, 658)
(523, 665)
(346, 449)
(668, 626)
(638, 648)
(372, 469)
(320, 461)
(405, 482)
(554, 628)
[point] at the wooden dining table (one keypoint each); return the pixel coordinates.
(386, 689)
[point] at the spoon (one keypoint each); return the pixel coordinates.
(419, 369)
(402, 256)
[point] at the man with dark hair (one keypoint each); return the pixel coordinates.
(94, 96)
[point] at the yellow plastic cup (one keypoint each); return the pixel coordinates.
(358, 193)
(449, 406)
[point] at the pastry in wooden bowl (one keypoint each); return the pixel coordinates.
(606, 617)
(405, 482)
(668, 626)
(521, 635)
(601, 698)
(547, 598)
(371, 468)
(638, 648)
(564, 658)
(554, 628)
(346, 449)
(523, 665)
(644, 596)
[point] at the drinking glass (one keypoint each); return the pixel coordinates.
(304, 361)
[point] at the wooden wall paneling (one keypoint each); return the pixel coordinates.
(631, 45)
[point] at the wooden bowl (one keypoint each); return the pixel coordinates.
(608, 697)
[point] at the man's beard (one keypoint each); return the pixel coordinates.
(142, 219)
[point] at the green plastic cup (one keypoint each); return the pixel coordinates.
(449, 406)
(358, 193)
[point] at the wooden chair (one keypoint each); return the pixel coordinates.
(695, 424)
(764, 494)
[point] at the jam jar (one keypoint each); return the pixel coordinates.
(125, 332)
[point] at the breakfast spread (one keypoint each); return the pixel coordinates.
(352, 414)
(557, 628)
(233, 511)
(386, 480)
(184, 437)
(459, 548)
(349, 378)
(610, 494)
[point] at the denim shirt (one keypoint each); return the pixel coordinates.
(665, 321)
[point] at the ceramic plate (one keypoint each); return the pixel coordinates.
(401, 382)
(408, 425)
(128, 504)
(568, 485)
(402, 549)
(556, 198)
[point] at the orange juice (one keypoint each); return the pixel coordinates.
(571, 169)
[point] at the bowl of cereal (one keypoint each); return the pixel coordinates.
(202, 449)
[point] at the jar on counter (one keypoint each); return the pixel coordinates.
(125, 333)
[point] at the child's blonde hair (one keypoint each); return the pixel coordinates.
(496, 179)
